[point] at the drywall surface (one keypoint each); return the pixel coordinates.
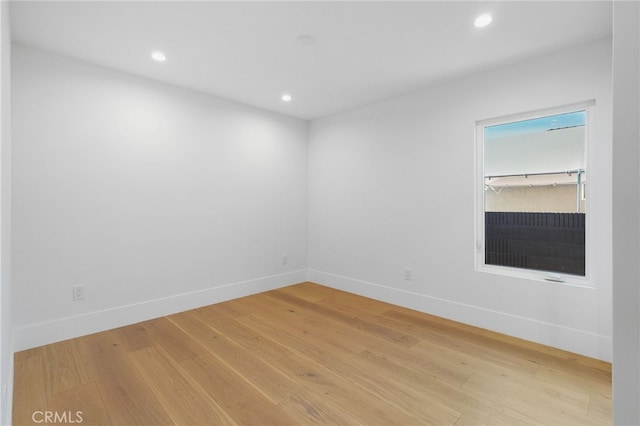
(6, 331)
(392, 186)
(155, 198)
(626, 213)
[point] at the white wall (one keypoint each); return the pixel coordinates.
(541, 152)
(6, 341)
(156, 198)
(391, 186)
(626, 213)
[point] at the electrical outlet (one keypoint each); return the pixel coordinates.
(408, 274)
(78, 292)
(285, 259)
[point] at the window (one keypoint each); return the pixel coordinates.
(531, 194)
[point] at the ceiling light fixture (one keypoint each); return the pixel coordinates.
(483, 20)
(286, 97)
(158, 56)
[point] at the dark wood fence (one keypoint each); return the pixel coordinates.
(553, 242)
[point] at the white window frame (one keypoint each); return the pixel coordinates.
(480, 266)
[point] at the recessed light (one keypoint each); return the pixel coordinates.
(158, 56)
(286, 97)
(483, 20)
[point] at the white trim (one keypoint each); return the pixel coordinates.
(570, 339)
(567, 338)
(33, 335)
(7, 399)
(531, 274)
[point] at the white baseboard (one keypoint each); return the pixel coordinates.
(6, 413)
(33, 335)
(570, 339)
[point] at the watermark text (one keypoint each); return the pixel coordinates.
(57, 417)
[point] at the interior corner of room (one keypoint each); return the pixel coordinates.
(128, 194)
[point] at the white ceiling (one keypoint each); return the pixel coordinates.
(364, 51)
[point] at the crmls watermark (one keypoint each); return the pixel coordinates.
(57, 417)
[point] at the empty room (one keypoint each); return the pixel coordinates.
(320, 212)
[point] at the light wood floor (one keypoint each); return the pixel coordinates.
(303, 355)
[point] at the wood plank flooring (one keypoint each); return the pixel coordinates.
(305, 355)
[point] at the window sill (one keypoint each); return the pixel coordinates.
(547, 277)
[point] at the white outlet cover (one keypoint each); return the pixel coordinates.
(408, 274)
(78, 292)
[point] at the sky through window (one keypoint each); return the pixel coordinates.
(543, 124)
